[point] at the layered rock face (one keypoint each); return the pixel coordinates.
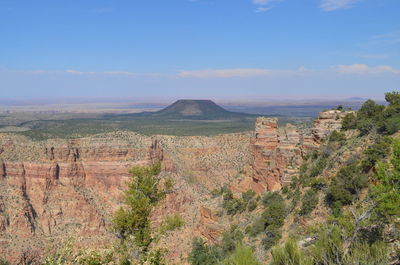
(55, 189)
(51, 190)
(326, 123)
(277, 154)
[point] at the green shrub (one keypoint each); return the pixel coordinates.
(295, 199)
(203, 254)
(171, 222)
(345, 186)
(3, 262)
(349, 122)
(256, 228)
(318, 168)
(243, 255)
(93, 258)
(272, 236)
(169, 185)
(230, 239)
(309, 202)
(374, 117)
(248, 195)
(270, 197)
(275, 211)
(289, 254)
(337, 137)
(331, 248)
(154, 257)
(387, 192)
(318, 183)
(141, 196)
(252, 205)
(378, 151)
(234, 206)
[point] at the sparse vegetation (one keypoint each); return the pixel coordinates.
(171, 223)
(141, 196)
(309, 202)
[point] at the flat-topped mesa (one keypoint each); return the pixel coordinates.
(326, 123)
(277, 154)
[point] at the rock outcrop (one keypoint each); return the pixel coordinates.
(277, 154)
(326, 123)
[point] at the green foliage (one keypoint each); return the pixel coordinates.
(318, 183)
(154, 257)
(345, 186)
(339, 107)
(349, 122)
(391, 114)
(171, 223)
(387, 192)
(275, 209)
(289, 254)
(141, 196)
(328, 249)
(252, 205)
(371, 254)
(203, 254)
(271, 197)
(309, 202)
(93, 258)
(337, 137)
(230, 239)
(317, 169)
(248, 195)
(243, 255)
(68, 255)
(331, 248)
(3, 262)
(272, 236)
(234, 205)
(378, 151)
(271, 219)
(374, 117)
(295, 199)
(169, 185)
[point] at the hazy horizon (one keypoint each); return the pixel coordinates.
(199, 49)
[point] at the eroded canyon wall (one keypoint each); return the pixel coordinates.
(278, 152)
(55, 189)
(50, 190)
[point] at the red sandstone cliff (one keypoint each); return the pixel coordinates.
(50, 190)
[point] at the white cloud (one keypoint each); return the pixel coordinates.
(264, 2)
(264, 5)
(365, 69)
(353, 69)
(262, 9)
(240, 72)
(331, 5)
(390, 38)
(75, 72)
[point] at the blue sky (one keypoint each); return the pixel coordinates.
(199, 48)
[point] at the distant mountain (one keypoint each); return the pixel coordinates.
(356, 99)
(197, 109)
(192, 110)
